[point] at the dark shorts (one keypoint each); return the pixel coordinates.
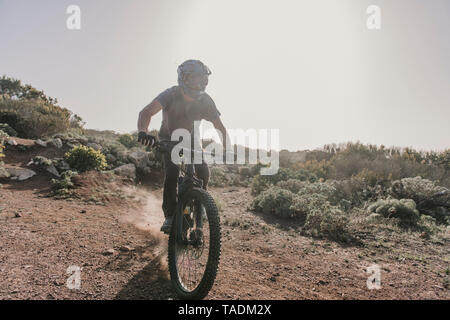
(171, 172)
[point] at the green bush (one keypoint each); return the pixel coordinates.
(431, 199)
(357, 191)
(42, 162)
(83, 159)
(128, 140)
(63, 187)
(34, 119)
(306, 203)
(114, 148)
(292, 185)
(376, 165)
(322, 218)
(7, 129)
(3, 136)
(319, 168)
(404, 210)
(31, 112)
(417, 188)
(261, 183)
(218, 177)
(14, 120)
(328, 221)
(275, 201)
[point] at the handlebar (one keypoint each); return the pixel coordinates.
(166, 146)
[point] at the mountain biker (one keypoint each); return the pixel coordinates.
(181, 105)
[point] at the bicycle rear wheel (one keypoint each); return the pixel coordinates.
(193, 266)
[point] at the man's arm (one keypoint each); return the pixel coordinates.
(226, 141)
(146, 115)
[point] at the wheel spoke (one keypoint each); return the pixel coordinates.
(191, 258)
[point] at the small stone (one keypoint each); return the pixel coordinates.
(17, 215)
(126, 249)
(139, 158)
(57, 143)
(109, 252)
(57, 283)
(41, 143)
(83, 211)
(53, 171)
(128, 170)
(20, 174)
(12, 142)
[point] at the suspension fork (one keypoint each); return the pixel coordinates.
(179, 224)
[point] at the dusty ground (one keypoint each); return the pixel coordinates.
(262, 257)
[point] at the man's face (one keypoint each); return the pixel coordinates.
(197, 81)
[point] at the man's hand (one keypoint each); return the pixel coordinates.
(146, 139)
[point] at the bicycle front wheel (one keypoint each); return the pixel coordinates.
(193, 264)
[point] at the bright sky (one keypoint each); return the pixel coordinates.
(310, 68)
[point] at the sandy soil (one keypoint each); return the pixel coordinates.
(122, 254)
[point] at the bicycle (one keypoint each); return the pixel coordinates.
(195, 231)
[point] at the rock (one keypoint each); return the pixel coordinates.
(20, 174)
(57, 143)
(126, 249)
(127, 170)
(60, 136)
(109, 252)
(110, 158)
(82, 140)
(53, 171)
(139, 158)
(11, 142)
(95, 146)
(122, 156)
(62, 166)
(41, 143)
(4, 173)
(17, 215)
(45, 164)
(83, 211)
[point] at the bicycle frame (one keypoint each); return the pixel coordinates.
(186, 181)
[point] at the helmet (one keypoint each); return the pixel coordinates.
(193, 77)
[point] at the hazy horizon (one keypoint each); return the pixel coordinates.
(309, 68)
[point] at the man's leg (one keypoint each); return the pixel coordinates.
(171, 173)
(202, 172)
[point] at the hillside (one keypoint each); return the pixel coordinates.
(109, 226)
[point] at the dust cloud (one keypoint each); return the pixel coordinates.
(147, 216)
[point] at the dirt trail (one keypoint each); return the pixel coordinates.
(122, 254)
(260, 258)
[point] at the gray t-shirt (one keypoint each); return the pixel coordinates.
(181, 114)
